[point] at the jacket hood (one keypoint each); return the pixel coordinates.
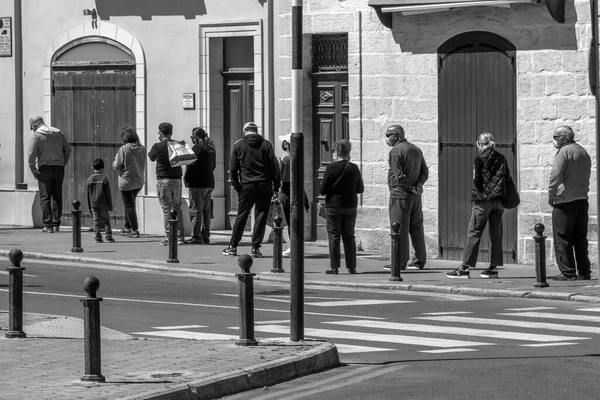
(135, 148)
(254, 139)
(47, 130)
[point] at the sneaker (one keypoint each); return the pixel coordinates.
(230, 251)
(562, 277)
(459, 273)
(286, 253)
(387, 267)
(110, 240)
(181, 241)
(490, 273)
(352, 271)
(165, 242)
(125, 232)
(99, 240)
(193, 241)
(584, 277)
(255, 253)
(415, 265)
(332, 271)
(133, 234)
(48, 229)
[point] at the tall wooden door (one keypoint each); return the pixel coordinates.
(239, 109)
(477, 93)
(91, 106)
(330, 124)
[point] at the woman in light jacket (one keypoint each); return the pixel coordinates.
(130, 164)
(341, 183)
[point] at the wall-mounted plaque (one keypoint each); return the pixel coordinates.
(189, 101)
(5, 36)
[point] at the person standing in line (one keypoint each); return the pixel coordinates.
(199, 178)
(168, 182)
(568, 196)
(489, 187)
(100, 201)
(407, 174)
(254, 174)
(341, 184)
(49, 152)
(284, 195)
(130, 164)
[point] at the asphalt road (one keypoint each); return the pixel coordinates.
(394, 345)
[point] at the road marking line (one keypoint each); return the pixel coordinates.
(179, 327)
(343, 303)
(275, 321)
(596, 309)
(530, 309)
(25, 275)
(372, 337)
(569, 317)
(451, 330)
(519, 324)
(188, 335)
(548, 344)
(447, 313)
(349, 348)
(447, 350)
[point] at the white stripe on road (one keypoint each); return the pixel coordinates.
(519, 324)
(446, 351)
(530, 309)
(372, 337)
(447, 313)
(179, 327)
(569, 317)
(188, 335)
(450, 330)
(349, 349)
(25, 275)
(596, 309)
(342, 303)
(548, 344)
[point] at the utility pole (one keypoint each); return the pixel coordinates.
(18, 43)
(297, 183)
(594, 76)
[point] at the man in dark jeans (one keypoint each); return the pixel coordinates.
(49, 152)
(254, 174)
(568, 195)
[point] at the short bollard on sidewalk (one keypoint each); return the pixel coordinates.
(540, 256)
(246, 287)
(76, 227)
(277, 245)
(173, 237)
(15, 296)
(91, 331)
(395, 267)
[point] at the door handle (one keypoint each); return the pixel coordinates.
(326, 144)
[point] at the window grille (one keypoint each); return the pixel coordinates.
(330, 53)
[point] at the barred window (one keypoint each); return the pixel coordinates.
(330, 53)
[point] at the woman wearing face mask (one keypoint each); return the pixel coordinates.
(489, 187)
(341, 183)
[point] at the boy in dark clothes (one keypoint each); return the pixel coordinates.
(100, 201)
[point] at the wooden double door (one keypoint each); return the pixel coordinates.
(91, 106)
(477, 93)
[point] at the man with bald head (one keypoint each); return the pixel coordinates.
(406, 175)
(568, 196)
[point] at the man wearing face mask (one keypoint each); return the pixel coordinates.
(568, 196)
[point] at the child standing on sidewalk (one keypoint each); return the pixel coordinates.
(100, 201)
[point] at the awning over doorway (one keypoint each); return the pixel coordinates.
(385, 8)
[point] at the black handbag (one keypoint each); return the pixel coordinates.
(511, 198)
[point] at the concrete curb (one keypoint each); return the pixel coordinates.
(322, 357)
(267, 277)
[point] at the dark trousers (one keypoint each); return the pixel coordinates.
(569, 231)
(200, 211)
(341, 222)
(101, 218)
(483, 211)
(50, 182)
(129, 196)
(409, 213)
(256, 195)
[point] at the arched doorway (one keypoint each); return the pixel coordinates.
(476, 93)
(93, 96)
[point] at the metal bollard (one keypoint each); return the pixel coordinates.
(540, 256)
(76, 227)
(173, 237)
(91, 331)
(246, 287)
(395, 253)
(277, 245)
(15, 296)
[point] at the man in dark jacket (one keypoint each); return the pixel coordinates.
(406, 175)
(200, 180)
(254, 174)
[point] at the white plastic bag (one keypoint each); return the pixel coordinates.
(180, 153)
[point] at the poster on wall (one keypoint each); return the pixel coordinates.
(5, 37)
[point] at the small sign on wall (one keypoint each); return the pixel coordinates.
(189, 101)
(5, 36)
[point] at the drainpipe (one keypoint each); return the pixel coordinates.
(595, 76)
(19, 158)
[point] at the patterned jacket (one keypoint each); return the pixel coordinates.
(489, 177)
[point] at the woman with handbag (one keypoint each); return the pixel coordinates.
(341, 183)
(489, 189)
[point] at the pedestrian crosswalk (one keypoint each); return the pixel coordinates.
(456, 331)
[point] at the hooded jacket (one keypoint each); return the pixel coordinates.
(49, 147)
(489, 180)
(130, 164)
(200, 174)
(253, 160)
